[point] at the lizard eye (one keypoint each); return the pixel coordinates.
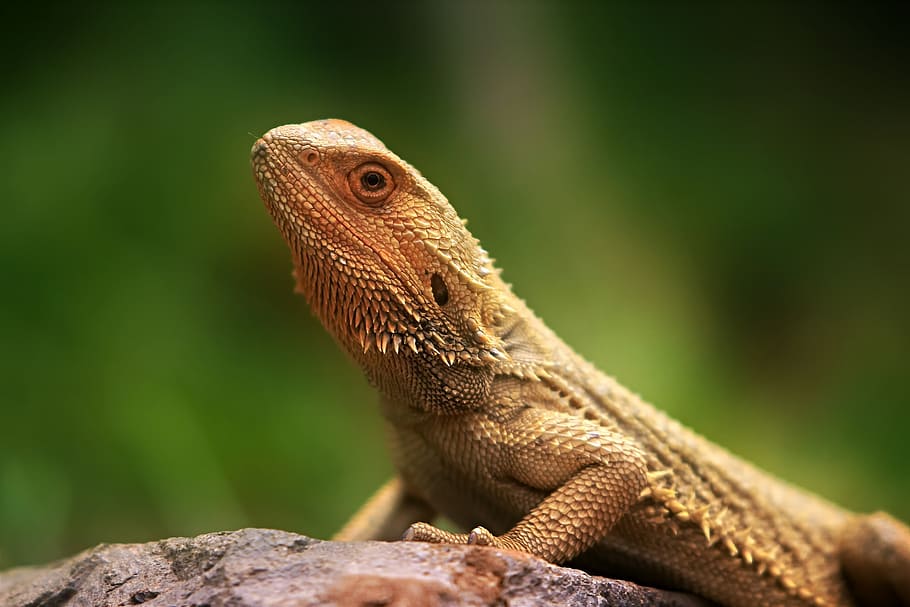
(371, 183)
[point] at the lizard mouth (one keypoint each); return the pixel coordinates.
(266, 181)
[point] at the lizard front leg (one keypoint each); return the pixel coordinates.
(588, 476)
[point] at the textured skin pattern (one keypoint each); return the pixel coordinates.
(496, 422)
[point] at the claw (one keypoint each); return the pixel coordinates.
(480, 537)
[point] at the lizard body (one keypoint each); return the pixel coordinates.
(495, 421)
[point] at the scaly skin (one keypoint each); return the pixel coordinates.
(495, 421)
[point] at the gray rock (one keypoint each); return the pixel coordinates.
(267, 568)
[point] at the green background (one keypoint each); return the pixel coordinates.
(708, 201)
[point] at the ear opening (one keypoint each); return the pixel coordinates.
(439, 288)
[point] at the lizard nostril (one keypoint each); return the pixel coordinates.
(308, 157)
(440, 290)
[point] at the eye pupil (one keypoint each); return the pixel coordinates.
(372, 180)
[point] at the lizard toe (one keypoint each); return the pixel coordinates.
(419, 532)
(424, 532)
(480, 536)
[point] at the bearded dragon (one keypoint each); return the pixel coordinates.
(500, 426)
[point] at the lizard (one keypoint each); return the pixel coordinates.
(497, 424)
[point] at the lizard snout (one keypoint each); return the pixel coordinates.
(260, 148)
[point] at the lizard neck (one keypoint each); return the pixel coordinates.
(409, 358)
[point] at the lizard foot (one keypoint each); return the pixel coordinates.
(479, 536)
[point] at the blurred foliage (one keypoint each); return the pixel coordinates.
(709, 201)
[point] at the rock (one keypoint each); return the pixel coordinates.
(267, 568)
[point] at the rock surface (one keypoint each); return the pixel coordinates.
(263, 567)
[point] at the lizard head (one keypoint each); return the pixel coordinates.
(379, 253)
